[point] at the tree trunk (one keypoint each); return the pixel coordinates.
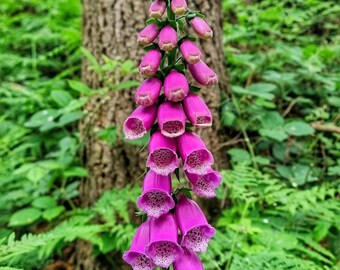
(110, 28)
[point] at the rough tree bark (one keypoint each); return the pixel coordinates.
(110, 28)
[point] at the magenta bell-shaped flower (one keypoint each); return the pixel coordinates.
(188, 261)
(203, 74)
(197, 111)
(150, 63)
(195, 156)
(179, 7)
(171, 119)
(205, 185)
(147, 94)
(190, 52)
(162, 157)
(148, 34)
(156, 198)
(176, 86)
(163, 248)
(167, 39)
(136, 256)
(196, 232)
(139, 122)
(157, 9)
(201, 28)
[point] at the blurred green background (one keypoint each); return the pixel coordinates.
(279, 206)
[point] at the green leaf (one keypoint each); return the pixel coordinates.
(70, 117)
(52, 213)
(80, 87)
(240, 90)
(89, 56)
(127, 66)
(334, 101)
(277, 135)
(24, 216)
(76, 172)
(272, 120)
(262, 87)
(36, 173)
(298, 128)
(239, 155)
(61, 97)
(109, 134)
(44, 202)
(302, 174)
(126, 85)
(42, 117)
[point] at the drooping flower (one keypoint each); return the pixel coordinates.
(179, 7)
(188, 261)
(167, 39)
(136, 256)
(201, 28)
(163, 248)
(150, 62)
(171, 119)
(195, 156)
(197, 111)
(203, 74)
(148, 93)
(156, 198)
(205, 185)
(148, 34)
(196, 232)
(157, 9)
(176, 86)
(139, 122)
(190, 52)
(162, 157)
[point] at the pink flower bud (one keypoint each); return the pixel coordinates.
(176, 86)
(150, 63)
(167, 39)
(157, 9)
(203, 74)
(190, 51)
(179, 7)
(148, 93)
(201, 28)
(171, 119)
(148, 34)
(197, 111)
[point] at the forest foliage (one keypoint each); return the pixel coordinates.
(278, 205)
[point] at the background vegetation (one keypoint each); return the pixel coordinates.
(278, 205)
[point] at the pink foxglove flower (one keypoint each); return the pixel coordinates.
(136, 256)
(156, 198)
(196, 232)
(162, 157)
(157, 9)
(139, 122)
(179, 7)
(176, 86)
(203, 74)
(205, 185)
(188, 261)
(167, 39)
(148, 93)
(148, 34)
(190, 52)
(201, 28)
(197, 111)
(163, 248)
(195, 156)
(171, 119)
(150, 63)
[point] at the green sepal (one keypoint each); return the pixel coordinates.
(194, 89)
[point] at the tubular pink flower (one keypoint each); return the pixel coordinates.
(179, 7)
(176, 86)
(150, 63)
(205, 185)
(162, 157)
(171, 119)
(147, 94)
(156, 198)
(136, 256)
(188, 261)
(167, 39)
(163, 248)
(196, 232)
(148, 34)
(201, 28)
(195, 156)
(157, 9)
(190, 52)
(203, 74)
(139, 122)
(197, 111)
